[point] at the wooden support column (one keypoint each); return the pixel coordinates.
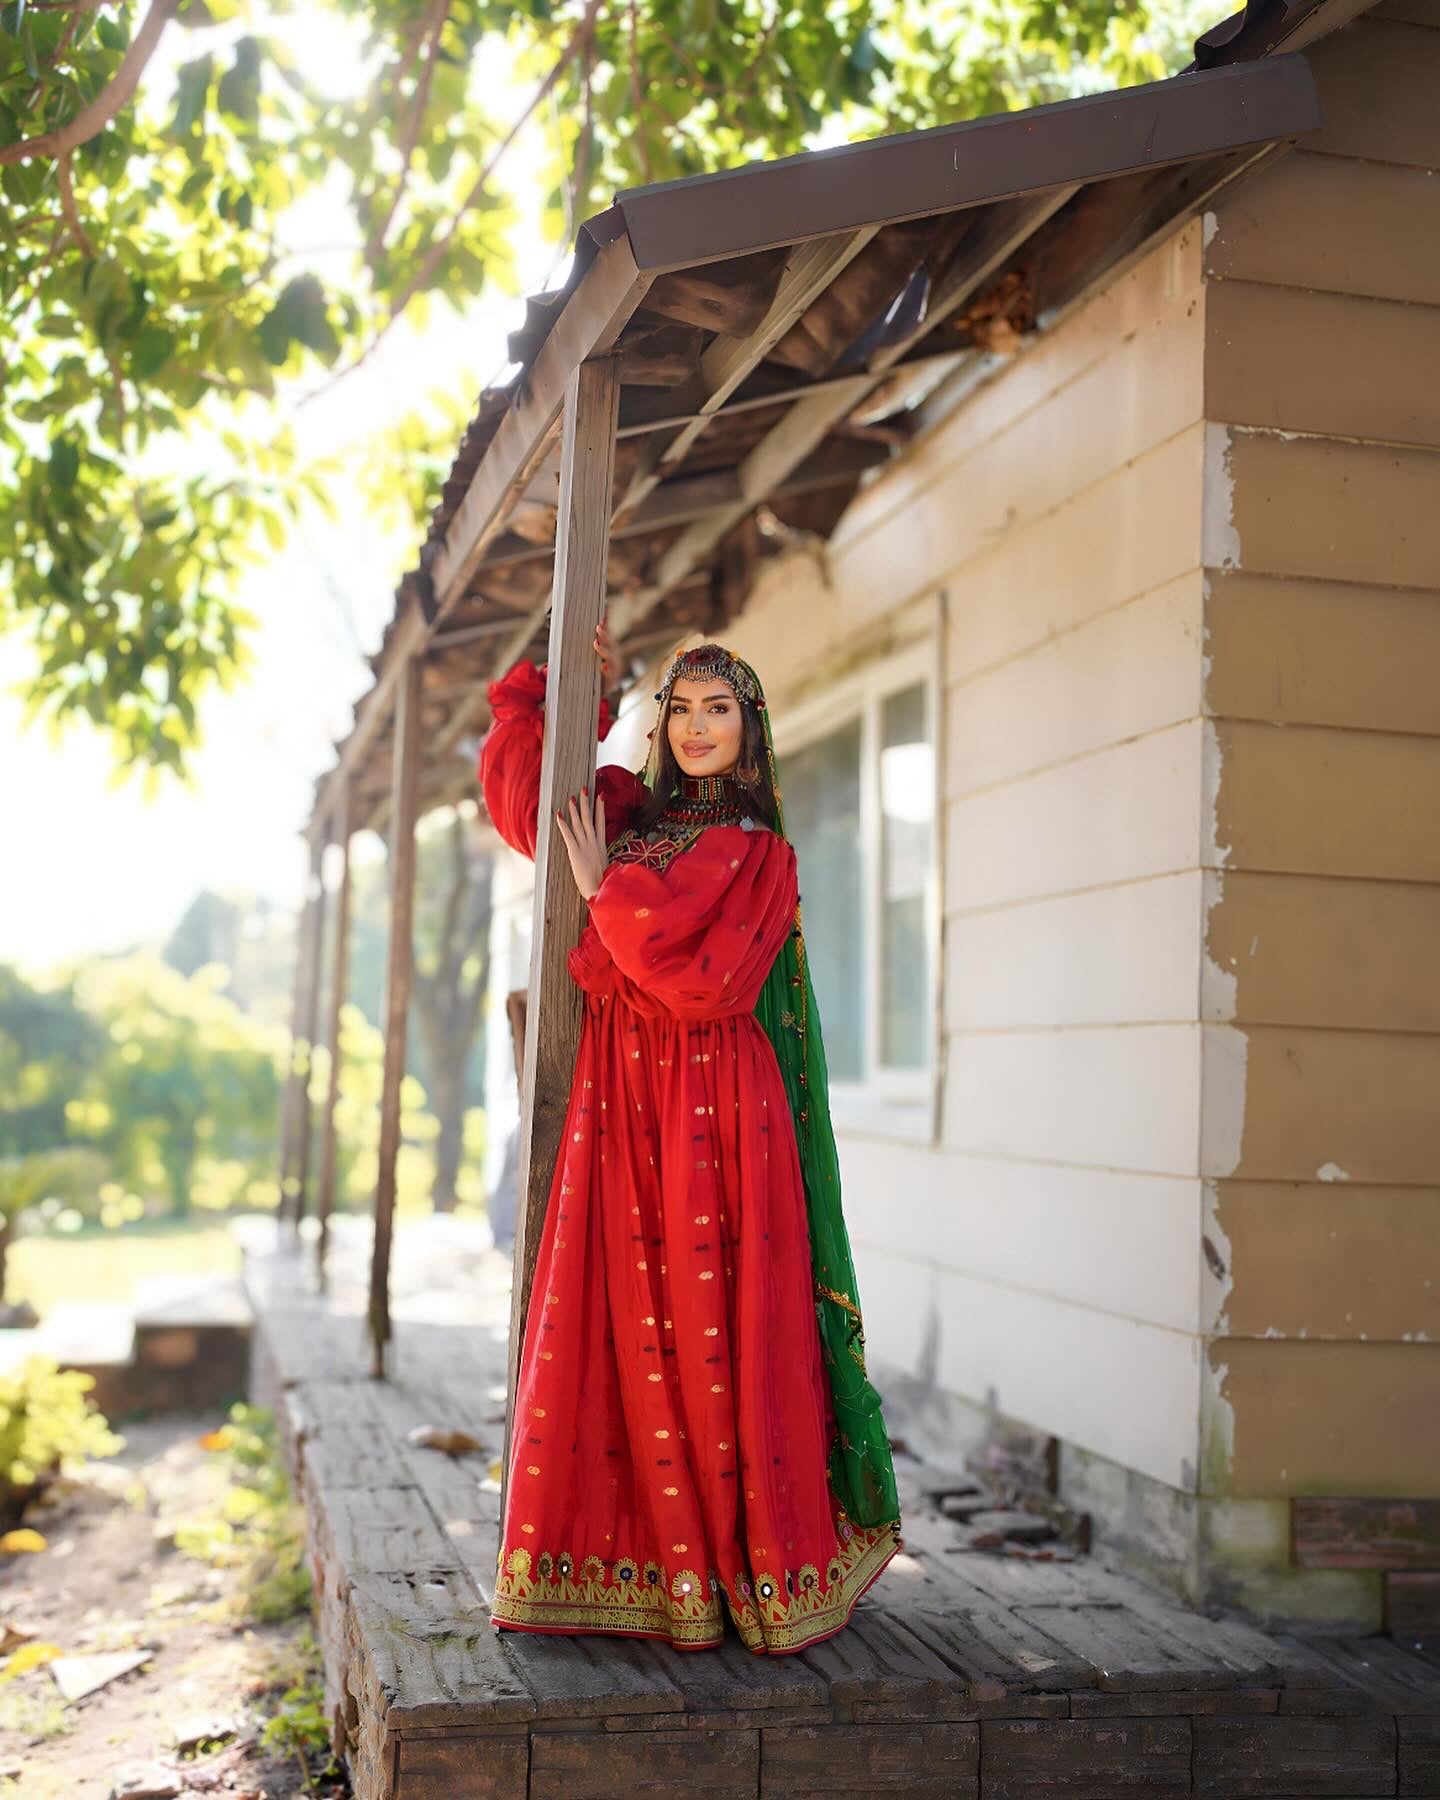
(295, 1108)
(572, 700)
(339, 979)
(399, 970)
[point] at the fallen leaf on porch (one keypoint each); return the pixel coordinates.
(436, 1437)
(220, 1439)
(12, 1634)
(32, 1656)
(23, 1539)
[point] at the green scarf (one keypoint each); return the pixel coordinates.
(860, 1467)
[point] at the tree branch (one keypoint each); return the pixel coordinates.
(68, 206)
(93, 118)
(436, 14)
(636, 96)
(438, 251)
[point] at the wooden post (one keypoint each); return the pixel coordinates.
(572, 700)
(295, 1112)
(399, 969)
(314, 956)
(339, 974)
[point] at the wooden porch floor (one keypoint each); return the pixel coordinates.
(961, 1675)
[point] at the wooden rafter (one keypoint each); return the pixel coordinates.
(787, 443)
(809, 270)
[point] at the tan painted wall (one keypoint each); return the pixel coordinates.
(1046, 1248)
(1322, 884)
(1179, 564)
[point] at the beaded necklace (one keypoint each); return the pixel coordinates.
(699, 801)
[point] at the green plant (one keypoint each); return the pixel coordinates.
(255, 1526)
(300, 1729)
(48, 1427)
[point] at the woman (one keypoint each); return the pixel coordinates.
(694, 1431)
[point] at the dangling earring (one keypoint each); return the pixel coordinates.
(748, 774)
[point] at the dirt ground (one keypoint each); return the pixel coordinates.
(111, 1579)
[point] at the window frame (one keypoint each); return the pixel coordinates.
(886, 1101)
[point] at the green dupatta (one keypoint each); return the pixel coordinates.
(860, 1466)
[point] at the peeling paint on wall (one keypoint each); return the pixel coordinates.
(1213, 853)
(1217, 1272)
(1224, 1057)
(1209, 225)
(1220, 539)
(1218, 985)
(1331, 1171)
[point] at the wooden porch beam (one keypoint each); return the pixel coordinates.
(687, 497)
(399, 972)
(572, 700)
(339, 979)
(295, 1111)
(588, 326)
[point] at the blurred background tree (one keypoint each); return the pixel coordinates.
(187, 1080)
(156, 300)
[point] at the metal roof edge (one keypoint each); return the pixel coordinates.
(706, 218)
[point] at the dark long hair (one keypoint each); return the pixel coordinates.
(757, 798)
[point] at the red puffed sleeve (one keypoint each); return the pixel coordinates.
(701, 937)
(509, 761)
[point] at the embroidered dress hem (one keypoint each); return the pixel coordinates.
(550, 1595)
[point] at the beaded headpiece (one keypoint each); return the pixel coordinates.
(711, 662)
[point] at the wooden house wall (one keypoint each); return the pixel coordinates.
(1045, 1248)
(1321, 991)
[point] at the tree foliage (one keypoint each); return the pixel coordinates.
(188, 1080)
(47, 1043)
(154, 300)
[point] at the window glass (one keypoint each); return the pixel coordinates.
(907, 824)
(820, 786)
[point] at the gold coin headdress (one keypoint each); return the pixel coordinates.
(712, 662)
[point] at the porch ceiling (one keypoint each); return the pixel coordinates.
(775, 326)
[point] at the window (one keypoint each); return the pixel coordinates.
(857, 775)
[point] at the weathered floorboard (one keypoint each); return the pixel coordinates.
(1313, 1757)
(1087, 1759)
(1060, 1678)
(920, 1762)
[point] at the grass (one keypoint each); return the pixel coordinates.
(97, 1263)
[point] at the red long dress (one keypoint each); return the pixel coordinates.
(669, 1457)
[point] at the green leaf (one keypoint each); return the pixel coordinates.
(298, 316)
(239, 93)
(191, 92)
(111, 33)
(153, 349)
(12, 17)
(64, 463)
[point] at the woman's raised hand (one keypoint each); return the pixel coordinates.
(582, 825)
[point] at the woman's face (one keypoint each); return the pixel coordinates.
(704, 727)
